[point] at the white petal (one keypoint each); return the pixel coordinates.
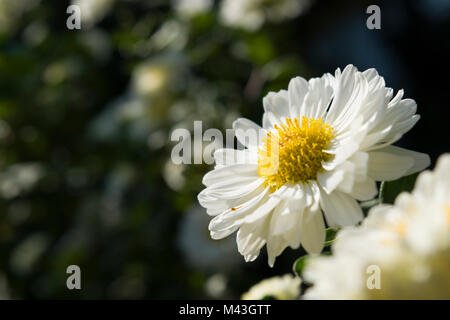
(341, 153)
(398, 119)
(341, 208)
(312, 192)
(250, 239)
(269, 120)
(284, 230)
(297, 89)
(375, 137)
(234, 217)
(349, 175)
(275, 245)
(220, 234)
(364, 190)
(214, 212)
(248, 133)
(220, 175)
(277, 103)
(401, 109)
(374, 107)
(215, 203)
(355, 169)
(421, 160)
(289, 192)
(228, 156)
(390, 163)
(297, 205)
(293, 236)
(232, 192)
(282, 220)
(354, 106)
(375, 81)
(346, 144)
(401, 127)
(329, 180)
(313, 232)
(317, 99)
(230, 195)
(343, 92)
(361, 161)
(263, 210)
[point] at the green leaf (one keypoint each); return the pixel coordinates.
(299, 265)
(261, 49)
(389, 190)
(269, 297)
(330, 236)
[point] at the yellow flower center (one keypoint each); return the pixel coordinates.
(294, 151)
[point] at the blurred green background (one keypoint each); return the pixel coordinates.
(86, 117)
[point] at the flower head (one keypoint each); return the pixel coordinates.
(286, 287)
(409, 242)
(323, 144)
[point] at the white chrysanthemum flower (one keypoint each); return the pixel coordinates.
(409, 242)
(286, 287)
(334, 135)
(251, 14)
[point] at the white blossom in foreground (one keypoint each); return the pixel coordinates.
(334, 135)
(251, 14)
(409, 242)
(286, 287)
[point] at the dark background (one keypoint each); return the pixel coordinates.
(85, 171)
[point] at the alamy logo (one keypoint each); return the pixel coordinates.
(201, 146)
(74, 20)
(374, 20)
(74, 280)
(374, 280)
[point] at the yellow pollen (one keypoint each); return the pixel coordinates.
(397, 227)
(294, 152)
(387, 242)
(400, 228)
